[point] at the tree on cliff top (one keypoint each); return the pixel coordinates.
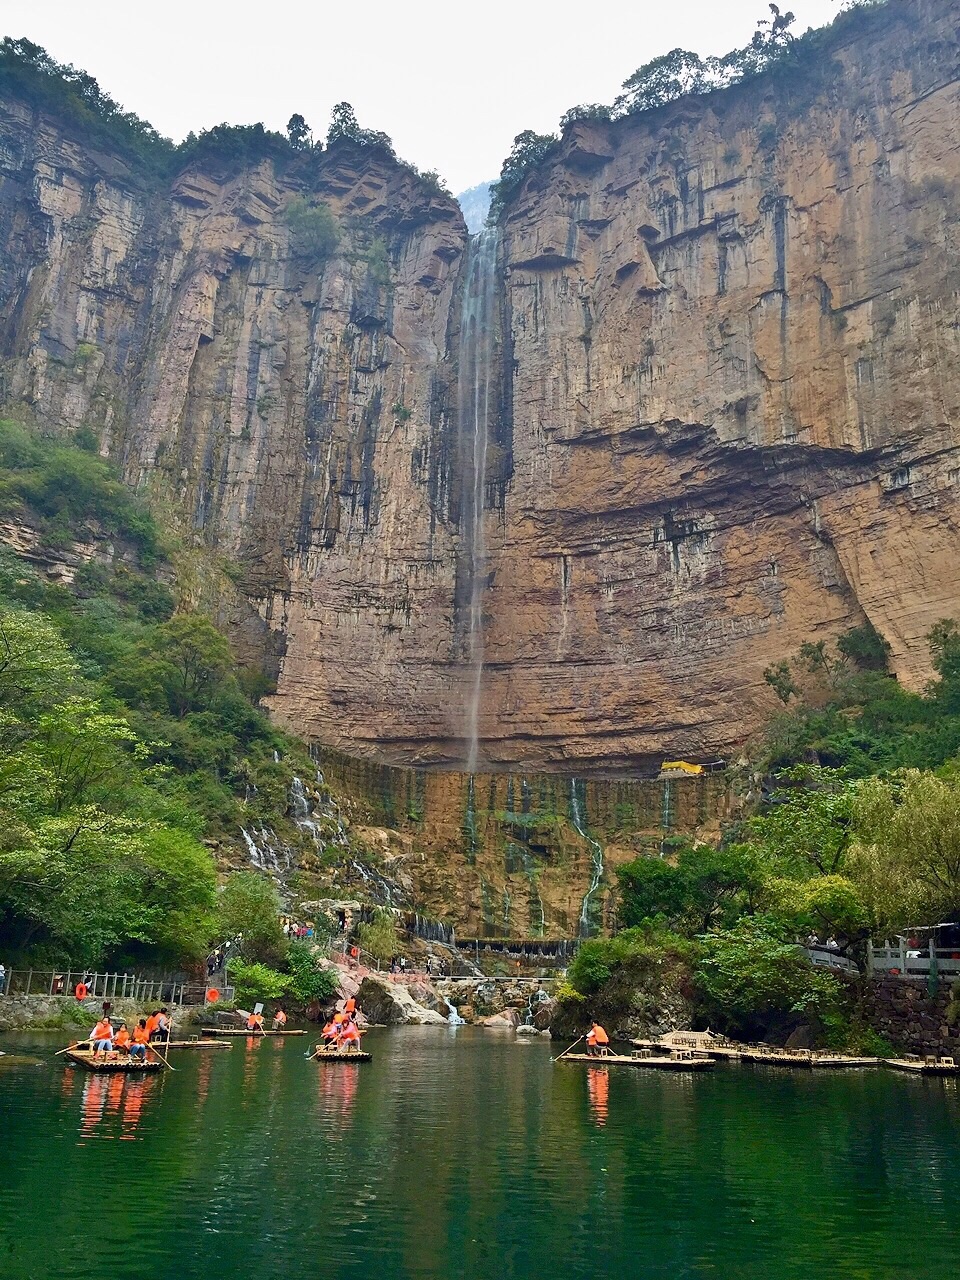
(345, 128)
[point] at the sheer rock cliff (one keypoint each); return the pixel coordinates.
(726, 402)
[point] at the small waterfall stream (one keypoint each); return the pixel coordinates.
(578, 818)
(475, 407)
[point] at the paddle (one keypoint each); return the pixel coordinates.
(75, 1045)
(573, 1046)
(153, 1048)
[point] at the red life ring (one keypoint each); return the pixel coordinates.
(213, 995)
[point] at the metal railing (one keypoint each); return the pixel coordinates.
(107, 986)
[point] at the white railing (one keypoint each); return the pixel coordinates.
(912, 962)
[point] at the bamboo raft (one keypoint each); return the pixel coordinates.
(923, 1067)
(242, 1031)
(341, 1055)
(105, 1066)
(191, 1044)
(678, 1063)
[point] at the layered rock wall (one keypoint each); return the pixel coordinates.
(726, 402)
(735, 331)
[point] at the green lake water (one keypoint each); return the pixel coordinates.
(463, 1153)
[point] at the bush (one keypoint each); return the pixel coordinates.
(308, 980)
(315, 233)
(379, 938)
(255, 982)
(250, 906)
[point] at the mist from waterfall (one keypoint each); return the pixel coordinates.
(475, 406)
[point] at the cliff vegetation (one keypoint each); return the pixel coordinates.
(855, 834)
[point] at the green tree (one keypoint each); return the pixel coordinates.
(314, 230)
(309, 980)
(255, 982)
(380, 938)
(298, 133)
(249, 908)
(905, 858)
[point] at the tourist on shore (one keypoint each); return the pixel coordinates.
(102, 1037)
(597, 1039)
(141, 1038)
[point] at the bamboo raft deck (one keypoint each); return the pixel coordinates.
(341, 1055)
(242, 1031)
(107, 1066)
(627, 1060)
(921, 1067)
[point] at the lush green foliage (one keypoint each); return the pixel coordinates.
(313, 227)
(749, 972)
(528, 152)
(379, 938)
(308, 981)
(255, 982)
(125, 735)
(249, 910)
(344, 128)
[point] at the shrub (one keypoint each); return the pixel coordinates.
(308, 980)
(255, 982)
(314, 231)
(380, 937)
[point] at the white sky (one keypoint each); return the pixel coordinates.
(452, 85)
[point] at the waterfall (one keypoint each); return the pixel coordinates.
(578, 818)
(666, 814)
(475, 407)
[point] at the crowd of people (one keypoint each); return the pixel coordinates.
(105, 1038)
(341, 1033)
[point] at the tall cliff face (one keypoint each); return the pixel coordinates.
(726, 404)
(295, 411)
(735, 401)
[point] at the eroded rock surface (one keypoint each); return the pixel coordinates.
(726, 403)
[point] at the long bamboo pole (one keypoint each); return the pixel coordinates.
(573, 1046)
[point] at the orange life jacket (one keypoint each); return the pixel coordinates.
(122, 1038)
(103, 1030)
(280, 1017)
(255, 1020)
(350, 1006)
(328, 1031)
(600, 1036)
(349, 1033)
(591, 1037)
(140, 1035)
(152, 1023)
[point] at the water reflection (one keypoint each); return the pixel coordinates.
(111, 1106)
(336, 1095)
(598, 1089)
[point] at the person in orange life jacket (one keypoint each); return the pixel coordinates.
(349, 1035)
(161, 1032)
(153, 1021)
(597, 1039)
(350, 1007)
(102, 1036)
(255, 1022)
(141, 1038)
(121, 1040)
(279, 1020)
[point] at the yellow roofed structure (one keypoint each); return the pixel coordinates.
(680, 766)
